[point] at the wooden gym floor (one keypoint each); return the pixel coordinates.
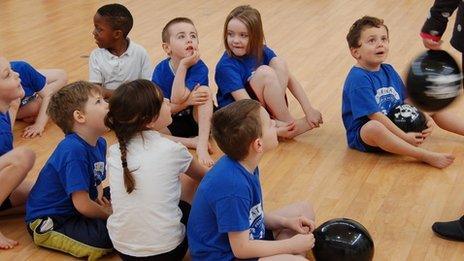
(396, 198)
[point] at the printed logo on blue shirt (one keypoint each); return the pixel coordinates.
(99, 172)
(387, 98)
(256, 220)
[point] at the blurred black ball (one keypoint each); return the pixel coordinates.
(342, 239)
(434, 80)
(408, 118)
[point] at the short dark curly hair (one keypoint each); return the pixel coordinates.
(118, 17)
(354, 35)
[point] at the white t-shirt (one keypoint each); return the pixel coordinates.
(147, 221)
(111, 71)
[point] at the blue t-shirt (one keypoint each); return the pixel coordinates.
(74, 166)
(367, 92)
(163, 76)
(228, 199)
(233, 73)
(31, 80)
(6, 135)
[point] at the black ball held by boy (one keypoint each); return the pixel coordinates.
(408, 118)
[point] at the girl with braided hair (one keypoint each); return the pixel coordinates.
(148, 187)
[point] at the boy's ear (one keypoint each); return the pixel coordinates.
(79, 116)
(257, 145)
(355, 53)
(166, 48)
(118, 34)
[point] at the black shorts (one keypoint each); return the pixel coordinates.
(183, 124)
(6, 204)
(177, 253)
(267, 236)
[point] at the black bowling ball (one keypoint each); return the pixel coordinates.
(434, 80)
(408, 118)
(342, 239)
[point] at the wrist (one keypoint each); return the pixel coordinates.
(284, 222)
(434, 38)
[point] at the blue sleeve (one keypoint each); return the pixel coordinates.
(31, 80)
(228, 78)
(6, 134)
(6, 142)
(161, 77)
(268, 55)
(232, 214)
(361, 96)
(197, 74)
(76, 176)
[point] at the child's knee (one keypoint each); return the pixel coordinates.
(373, 128)
(62, 76)
(265, 72)
(279, 63)
(25, 158)
(307, 210)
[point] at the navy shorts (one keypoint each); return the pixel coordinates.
(362, 146)
(183, 124)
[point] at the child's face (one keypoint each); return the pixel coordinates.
(374, 47)
(268, 127)
(103, 32)
(95, 111)
(10, 84)
(183, 40)
(237, 37)
(164, 118)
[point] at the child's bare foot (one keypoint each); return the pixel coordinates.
(204, 157)
(285, 130)
(302, 126)
(6, 243)
(438, 160)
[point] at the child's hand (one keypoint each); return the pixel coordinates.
(302, 243)
(105, 204)
(301, 224)
(197, 97)
(430, 126)
(414, 138)
(191, 60)
(431, 44)
(314, 118)
(33, 131)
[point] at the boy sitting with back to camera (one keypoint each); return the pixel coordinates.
(227, 219)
